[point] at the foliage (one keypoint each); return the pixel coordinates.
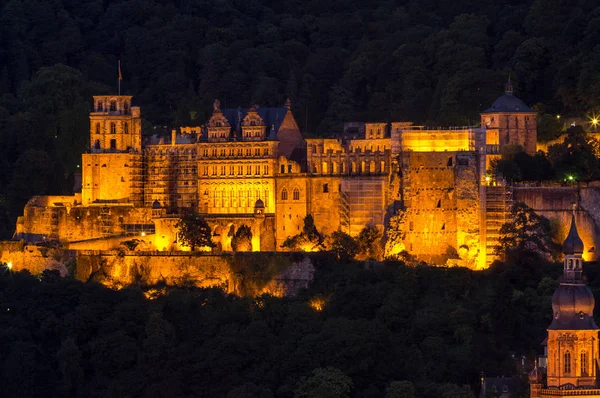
(344, 246)
(194, 231)
(400, 389)
(242, 240)
(549, 127)
(424, 325)
(327, 382)
(309, 240)
(517, 165)
(369, 243)
(576, 156)
(526, 236)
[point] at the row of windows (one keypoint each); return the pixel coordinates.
(214, 152)
(334, 167)
(113, 128)
(234, 170)
(583, 363)
(112, 107)
(235, 193)
(295, 193)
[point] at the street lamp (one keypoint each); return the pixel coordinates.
(9, 265)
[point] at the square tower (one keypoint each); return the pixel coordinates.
(115, 126)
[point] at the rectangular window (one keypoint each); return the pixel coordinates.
(289, 168)
(266, 170)
(257, 152)
(266, 152)
(282, 168)
(248, 170)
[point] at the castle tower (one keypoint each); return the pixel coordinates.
(509, 121)
(573, 334)
(115, 126)
(112, 171)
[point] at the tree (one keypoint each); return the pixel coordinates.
(343, 245)
(326, 382)
(576, 158)
(309, 240)
(242, 240)
(526, 236)
(369, 241)
(401, 389)
(194, 231)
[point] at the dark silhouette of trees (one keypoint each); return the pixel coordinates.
(194, 231)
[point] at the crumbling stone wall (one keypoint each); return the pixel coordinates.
(441, 199)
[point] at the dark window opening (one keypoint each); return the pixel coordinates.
(449, 164)
(289, 168)
(282, 169)
(325, 188)
(113, 144)
(439, 204)
(113, 106)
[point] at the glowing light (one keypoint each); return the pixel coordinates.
(317, 304)
(143, 234)
(488, 178)
(570, 178)
(594, 121)
(558, 116)
(9, 265)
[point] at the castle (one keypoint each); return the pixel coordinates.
(253, 167)
(572, 343)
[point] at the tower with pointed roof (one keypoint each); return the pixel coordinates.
(573, 334)
(509, 121)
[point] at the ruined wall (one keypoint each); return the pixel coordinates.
(555, 203)
(35, 258)
(441, 198)
(42, 220)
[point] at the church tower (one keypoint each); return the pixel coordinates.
(573, 334)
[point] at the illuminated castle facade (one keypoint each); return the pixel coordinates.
(572, 357)
(253, 167)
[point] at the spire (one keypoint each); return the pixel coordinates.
(573, 244)
(288, 103)
(217, 106)
(508, 88)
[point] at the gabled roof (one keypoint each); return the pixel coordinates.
(271, 116)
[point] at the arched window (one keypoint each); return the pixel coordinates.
(99, 107)
(97, 128)
(296, 194)
(362, 166)
(126, 128)
(324, 168)
(113, 128)
(113, 106)
(284, 195)
(584, 363)
(371, 166)
(126, 107)
(353, 167)
(567, 362)
(97, 144)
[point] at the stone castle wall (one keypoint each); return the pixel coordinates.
(279, 274)
(441, 198)
(556, 204)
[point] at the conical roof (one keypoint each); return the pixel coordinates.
(573, 243)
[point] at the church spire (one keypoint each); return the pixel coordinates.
(508, 88)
